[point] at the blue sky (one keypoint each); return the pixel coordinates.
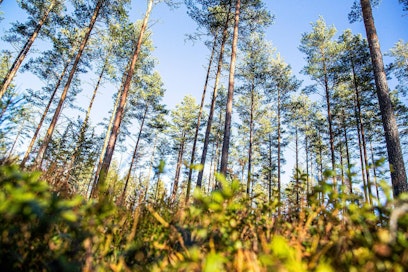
(182, 64)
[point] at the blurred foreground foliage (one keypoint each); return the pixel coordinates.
(223, 231)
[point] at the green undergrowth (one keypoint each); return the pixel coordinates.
(223, 231)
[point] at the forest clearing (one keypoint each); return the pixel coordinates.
(105, 166)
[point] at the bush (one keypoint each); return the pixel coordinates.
(223, 231)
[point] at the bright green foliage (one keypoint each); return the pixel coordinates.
(400, 64)
(38, 230)
(219, 232)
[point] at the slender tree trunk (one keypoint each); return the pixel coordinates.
(218, 147)
(341, 162)
(375, 171)
(121, 109)
(17, 62)
(349, 177)
(84, 125)
(228, 111)
(361, 124)
(132, 163)
(50, 131)
(213, 99)
(149, 173)
(190, 172)
(367, 169)
(178, 170)
(297, 170)
(329, 119)
(47, 108)
(15, 140)
(251, 132)
(213, 167)
(363, 166)
(279, 147)
(307, 165)
(270, 168)
(4, 109)
(321, 167)
(105, 142)
(395, 158)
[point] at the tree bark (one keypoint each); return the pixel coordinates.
(297, 186)
(84, 125)
(213, 100)
(228, 111)
(21, 56)
(105, 143)
(47, 108)
(251, 132)
(395, 158)
(362, 133)
(375, 172)
(330, 121)
(279, 147)
(50, 131)
(307, 164)
(132, 163)
(121, 109)
(178, 170)
(270, 168)
(349, 176)
(200, 112)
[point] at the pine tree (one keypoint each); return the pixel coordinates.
(122, 102)
(39, 12)
(322, 54)
(281, 84)
(182, 128)
(395, 158)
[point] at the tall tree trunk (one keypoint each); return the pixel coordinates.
(279, 147)
(362, 134)
(17, 62)
(345, 134)
(85, 123)
(105, 142)
(367, 169)
(50, 131)
(330, 121)
(47, 108)
(190, 172)
(395, 158)
(228, 111)
(149, 173)
(375, 171)
(213, 99)
(251, 132)
(341, 162)
(363, 166)
(178, 170)
(321, 167)
(359, 123)
(132, 163)
(15, 140)
(213, 167)
(121, 109)
(270, 168)
(307, 165)
(297, 186)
